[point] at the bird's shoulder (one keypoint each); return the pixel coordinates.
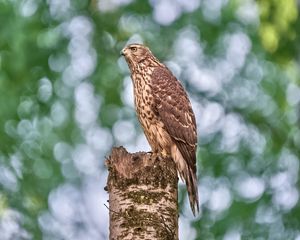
(163, 80)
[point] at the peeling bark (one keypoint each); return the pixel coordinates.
(142, 196)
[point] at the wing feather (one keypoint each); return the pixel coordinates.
(175, 111)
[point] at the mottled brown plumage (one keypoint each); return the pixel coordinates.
(165, 113)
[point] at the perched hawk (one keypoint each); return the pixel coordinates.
(165, 113)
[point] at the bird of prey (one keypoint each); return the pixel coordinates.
(165, 114)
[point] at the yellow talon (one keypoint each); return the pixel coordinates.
(164, 153)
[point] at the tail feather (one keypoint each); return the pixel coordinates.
(187, 174)
(192, 189)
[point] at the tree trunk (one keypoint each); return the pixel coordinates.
(142, 196)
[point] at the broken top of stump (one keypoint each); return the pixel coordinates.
(140, 166)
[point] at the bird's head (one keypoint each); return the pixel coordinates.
(135, 54)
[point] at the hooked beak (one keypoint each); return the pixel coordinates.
(122, 52)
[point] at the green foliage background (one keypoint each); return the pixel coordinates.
(63, 91)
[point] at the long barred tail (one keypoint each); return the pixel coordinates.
(189, 176)
(192, 189)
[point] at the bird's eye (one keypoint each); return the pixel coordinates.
(133, 49)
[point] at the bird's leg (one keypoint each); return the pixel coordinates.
(164, 153)
(154, 154)
(160, 155)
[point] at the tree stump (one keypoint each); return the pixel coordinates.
(142, 196)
